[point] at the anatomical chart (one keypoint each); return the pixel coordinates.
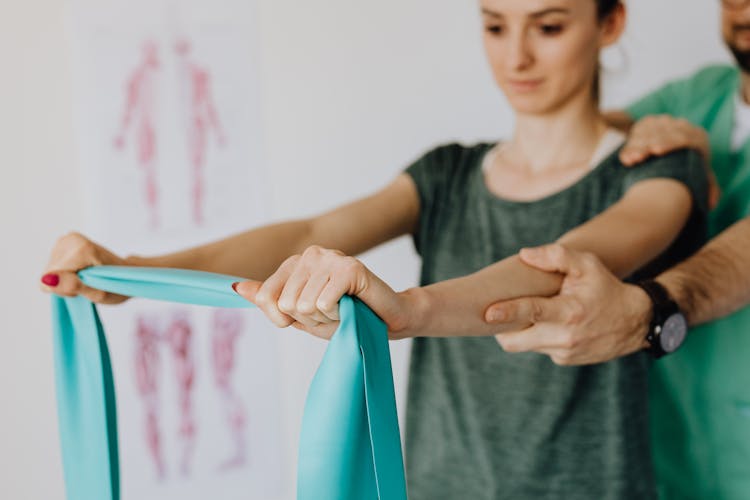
(169, 139)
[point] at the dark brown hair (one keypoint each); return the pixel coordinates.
(604, 8)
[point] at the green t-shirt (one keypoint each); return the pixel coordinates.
(485, 424)
(700, 395)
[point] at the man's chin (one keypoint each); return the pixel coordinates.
(742, 56)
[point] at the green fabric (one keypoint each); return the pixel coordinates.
(484, 424)
(349, 443)
(700, 396)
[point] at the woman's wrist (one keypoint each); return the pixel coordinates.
(415, 303)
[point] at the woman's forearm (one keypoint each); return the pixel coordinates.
(456, 307)
(254, 254)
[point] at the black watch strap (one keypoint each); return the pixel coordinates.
(662, 306)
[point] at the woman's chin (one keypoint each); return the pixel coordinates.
(529, 105)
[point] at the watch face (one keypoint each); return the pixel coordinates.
(673, 332)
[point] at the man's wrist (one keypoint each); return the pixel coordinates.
(672, 282)
(640, 315)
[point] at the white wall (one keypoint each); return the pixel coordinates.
(352, 91)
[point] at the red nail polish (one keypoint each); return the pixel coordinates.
(51, 279)
(234, 286)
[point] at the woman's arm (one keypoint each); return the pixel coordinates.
(625, 237)
(304, 291)
(354, 227)
(257, 253)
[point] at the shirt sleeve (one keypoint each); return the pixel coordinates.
(431, 176)
(686, 166)
(664, 100)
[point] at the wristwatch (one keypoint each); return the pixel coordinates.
(668, 326)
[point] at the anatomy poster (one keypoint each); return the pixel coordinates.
(169, 140)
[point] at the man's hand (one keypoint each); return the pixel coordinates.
(658, 135)
(594, 318)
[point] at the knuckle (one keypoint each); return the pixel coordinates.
(313, 251)
(557, 251)
(281, 322)
(263, 299)
(507, 346)
(589, 260)
(536, 311)
(326, 306)
(576, 313)
(562, 360)
(292, 260)
(286, 306)
(569, 341)
(351, 265)
(305, 307)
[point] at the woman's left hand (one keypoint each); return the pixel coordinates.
(305, 290)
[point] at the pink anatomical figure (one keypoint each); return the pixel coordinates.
(179, 336)
(227, 327)
(201, 118)
(138, 115)
(147, 369)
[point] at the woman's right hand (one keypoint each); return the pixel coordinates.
(70, 254)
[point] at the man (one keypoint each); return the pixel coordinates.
(700, 395)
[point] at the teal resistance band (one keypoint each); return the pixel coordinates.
(349, 448)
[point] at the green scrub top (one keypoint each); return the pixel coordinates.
(700, 395)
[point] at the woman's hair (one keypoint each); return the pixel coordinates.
(603, 9)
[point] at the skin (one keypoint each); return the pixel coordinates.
(537, 62)
(613, 317)
(534, 50)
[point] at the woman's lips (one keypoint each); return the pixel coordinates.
(525, 85)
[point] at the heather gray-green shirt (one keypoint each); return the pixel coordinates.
(485, 424)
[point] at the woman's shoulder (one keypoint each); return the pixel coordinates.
(446, 161)
(454, 153)
(684, 165)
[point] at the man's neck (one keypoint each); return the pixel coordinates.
(745, 86)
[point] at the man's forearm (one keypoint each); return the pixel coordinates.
(715, 281)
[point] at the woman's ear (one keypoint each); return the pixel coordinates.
(613, 26)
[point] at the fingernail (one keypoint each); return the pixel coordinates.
(496, 315)
(51, 279)
(234, 286)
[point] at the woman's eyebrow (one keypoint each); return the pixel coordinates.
(551, 10)
(537, 14)
(491, 13)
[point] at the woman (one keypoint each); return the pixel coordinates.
(483, 423)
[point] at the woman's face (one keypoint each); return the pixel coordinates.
(542, 52)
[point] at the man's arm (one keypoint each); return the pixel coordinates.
(715, 281)
(304, 290)
(596, 317)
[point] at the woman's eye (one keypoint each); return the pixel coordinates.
(494, 29)
(551, 29)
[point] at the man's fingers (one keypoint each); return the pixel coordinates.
(553, 258)
(526, 311)
(536, 338)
